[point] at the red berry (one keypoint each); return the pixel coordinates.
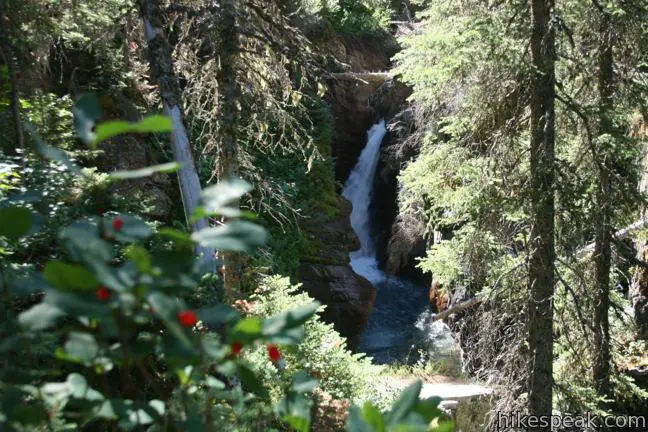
(117, 223)
(187, 318)
(103, 293)
(236, 347)
(273, 353)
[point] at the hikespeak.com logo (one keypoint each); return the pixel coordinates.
(519, 422)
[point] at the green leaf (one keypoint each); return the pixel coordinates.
(167, 308)
(214, 383)
(356, 422)
(212, 347)
(49, 152)
(179, 237)
(218, 314)
(140, 257)
(303, 383)
(289, 319)
(248, 329)
(154, 123)
(82, 241)
(109, 129)
(86, 112)
(130, 412)
(80, 305)
(429, 408)
(116, 278)
(405, 404)
(30, 283)
(79, 388)
(373, 416)
(15, 222)
(82, 347)
(145, 172)
(251, 382)
(69, 277)
(40, 317)
(299, 424)
(29, 414)
(132, 230)
(237, 236)
(223, 198)
(287, 337)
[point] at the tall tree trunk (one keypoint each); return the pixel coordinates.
(602, 247)
(229, 94)
(9, 147)
(639, 286)
(161, 65)
(542, 250)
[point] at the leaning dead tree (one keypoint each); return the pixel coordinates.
(162, 74)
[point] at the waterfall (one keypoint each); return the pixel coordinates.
(358, 190)
(401, 323)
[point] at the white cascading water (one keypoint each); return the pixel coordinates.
(401, 323)
(358, 190)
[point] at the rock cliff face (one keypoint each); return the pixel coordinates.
(401, 234)
(350, 93)
(326, 274)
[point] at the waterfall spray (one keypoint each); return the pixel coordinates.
(401, 321)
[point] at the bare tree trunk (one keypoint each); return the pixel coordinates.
(602, 248)
(161, 65)
(7, 53)
(229, 94)
(639, 286)
(542, 249)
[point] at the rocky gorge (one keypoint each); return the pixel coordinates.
(359, 94)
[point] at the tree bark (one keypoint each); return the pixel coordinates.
(602, 247)
(639, 286)
(7, 53)
(161, 67)
(542, 249)
(229, 94)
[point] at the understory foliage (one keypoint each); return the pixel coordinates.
(109, 320)
(470, 69)
(107, 339)
(341, 374)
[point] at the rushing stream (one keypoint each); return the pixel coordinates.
(400, 327)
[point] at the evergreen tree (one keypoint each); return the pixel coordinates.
(541, 242)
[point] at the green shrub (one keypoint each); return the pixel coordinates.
(355, 17)
(323, 351)
(108, 341)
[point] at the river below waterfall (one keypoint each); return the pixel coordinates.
(400, 328)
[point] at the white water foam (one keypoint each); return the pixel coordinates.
(401, 321)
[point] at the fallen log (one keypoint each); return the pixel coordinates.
(618, 235)
(458, 308)
(364, 77)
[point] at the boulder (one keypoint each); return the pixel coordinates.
(327, 276)
(348, 297)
